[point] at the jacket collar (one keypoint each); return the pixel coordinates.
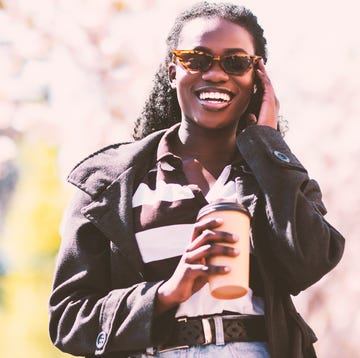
(96, 173)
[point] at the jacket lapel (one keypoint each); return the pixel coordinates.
(110, 177)
(112, 214)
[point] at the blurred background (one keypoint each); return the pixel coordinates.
(73, 78)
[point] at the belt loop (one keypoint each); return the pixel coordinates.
(207, 330)
(219, 331)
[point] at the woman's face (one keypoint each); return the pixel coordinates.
(232, 92)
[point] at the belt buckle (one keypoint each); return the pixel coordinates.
(208, 336)
(207, 330)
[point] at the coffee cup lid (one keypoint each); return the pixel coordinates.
(222, 205)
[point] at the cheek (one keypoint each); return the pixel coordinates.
(248, 82)
(184, 82)
(183, 78)
(244, 99)
(247, 89)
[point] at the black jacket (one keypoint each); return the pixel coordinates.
(100, 304)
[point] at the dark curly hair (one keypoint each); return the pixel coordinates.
(162, 109)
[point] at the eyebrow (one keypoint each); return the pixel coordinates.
(227, 51)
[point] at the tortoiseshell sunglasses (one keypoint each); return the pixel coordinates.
(233, 64)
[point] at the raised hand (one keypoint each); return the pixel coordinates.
(269, 110)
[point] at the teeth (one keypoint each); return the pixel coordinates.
(216, 96)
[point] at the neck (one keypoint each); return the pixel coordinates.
(206, 145)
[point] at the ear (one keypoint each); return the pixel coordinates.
(172, 75)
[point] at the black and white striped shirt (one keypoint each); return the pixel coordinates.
(165, 207)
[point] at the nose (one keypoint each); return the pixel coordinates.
(215, 73)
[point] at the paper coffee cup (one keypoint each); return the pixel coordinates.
(236, 220)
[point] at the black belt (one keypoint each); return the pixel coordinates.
(216, 329)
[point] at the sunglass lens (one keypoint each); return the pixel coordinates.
(236, 64)
(196, 62)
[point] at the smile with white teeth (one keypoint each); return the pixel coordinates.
(215, 96)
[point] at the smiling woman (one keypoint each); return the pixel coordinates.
(197, 89)
(162, 107)
(133, 269)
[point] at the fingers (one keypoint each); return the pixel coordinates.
(202, 225)
(208, 250)
(270, 105)
(210, 237)
(204, 232)
(261, 70)
(195, 271)
(264, 77)
(208, 244)
(218, 270)
(265, 80)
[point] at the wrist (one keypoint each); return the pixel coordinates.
(164, 300)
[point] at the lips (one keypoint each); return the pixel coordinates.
(214, 99)
(215, 95)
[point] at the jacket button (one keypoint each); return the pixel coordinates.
(100, 340)
(281, 156)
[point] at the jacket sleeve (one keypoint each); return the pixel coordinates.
(300, 246)
(88, 316)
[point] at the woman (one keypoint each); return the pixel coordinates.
(131, 277)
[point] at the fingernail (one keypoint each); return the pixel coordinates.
(236, 238)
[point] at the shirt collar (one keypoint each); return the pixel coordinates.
(165, 155)
(164, 152)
